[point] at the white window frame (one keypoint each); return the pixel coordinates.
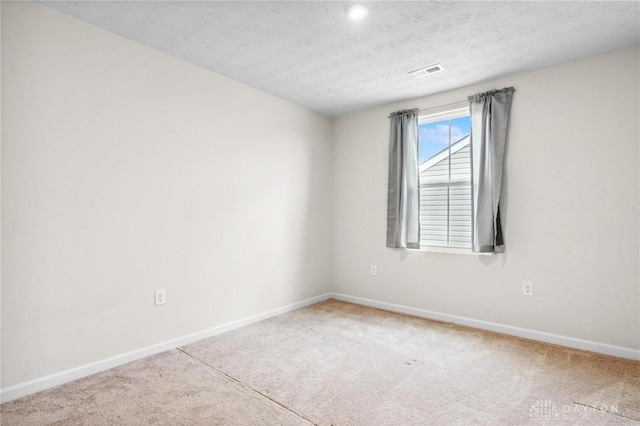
(432, 116)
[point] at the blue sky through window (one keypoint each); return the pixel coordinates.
(434, 137)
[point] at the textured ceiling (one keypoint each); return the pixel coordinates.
(310, 53)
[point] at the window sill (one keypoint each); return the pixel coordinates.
(450, 250)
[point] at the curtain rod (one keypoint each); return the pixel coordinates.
(437, 108)
(460, 103)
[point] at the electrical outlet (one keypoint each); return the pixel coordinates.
(161, 296)
(527, 288)
(374, 270)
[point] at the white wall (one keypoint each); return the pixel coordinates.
(125, 170)
(571, 210)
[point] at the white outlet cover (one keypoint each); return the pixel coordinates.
(160, 296)
(527, 288)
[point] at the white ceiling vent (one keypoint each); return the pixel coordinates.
(423, 72)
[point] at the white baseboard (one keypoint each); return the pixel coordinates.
(556, 339)
(56, 379)
(40, 384)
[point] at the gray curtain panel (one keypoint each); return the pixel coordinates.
(489, 122)
(403, 202)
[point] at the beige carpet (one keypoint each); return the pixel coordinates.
(336, 363)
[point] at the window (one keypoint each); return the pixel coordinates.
(444, 155)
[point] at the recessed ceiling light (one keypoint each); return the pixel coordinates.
(357, 12)
(423, 72)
